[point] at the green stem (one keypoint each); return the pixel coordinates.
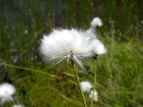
(94, 70)
(28, 69)
(15, 100)
(77, 78)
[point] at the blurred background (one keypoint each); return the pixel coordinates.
(119, 72)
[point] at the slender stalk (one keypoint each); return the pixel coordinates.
(77, 78)
(15, 100)
(28, 69)
(94, 84)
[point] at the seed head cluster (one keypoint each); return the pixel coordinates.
(72, 44)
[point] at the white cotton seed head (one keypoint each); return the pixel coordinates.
(94, 95)
(62, 44)
(98, 47)
(91, 31)
(86, 86)
(70, 45)
(18, 105)
(6, 92)
(7, 89)
(96, 22)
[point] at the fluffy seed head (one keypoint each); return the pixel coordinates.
(96, 22)
(98, 47)
(72, 45)
(91, 32)
(94, 95)
(6, 92)
(86, 86)
(64, 44)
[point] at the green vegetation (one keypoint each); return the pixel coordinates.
(119, 72)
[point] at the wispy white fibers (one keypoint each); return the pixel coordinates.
(72, 44)
(86, 86)
(94, 95)
(94, 23)
(96, 46)
(63, 45)
(6, 92)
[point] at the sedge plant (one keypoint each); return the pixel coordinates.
(97, 48)
(72, 45)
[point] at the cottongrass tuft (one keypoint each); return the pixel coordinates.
(96, 22)
(69, 45)
(74, 45)
(86, 86)
(6, 92)
(93, 95)
(93, 24)
(97, 47)
(64, 45)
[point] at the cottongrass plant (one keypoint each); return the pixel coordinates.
(96, 46)
(67, 45)
(73, 46)
(93, 95)
(62, 45)
(86, 86)
(6, 92)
